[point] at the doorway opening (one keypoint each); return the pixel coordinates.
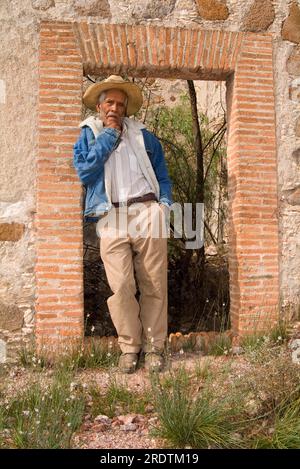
(198, 279)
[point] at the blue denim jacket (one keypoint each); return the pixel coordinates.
(91, 152)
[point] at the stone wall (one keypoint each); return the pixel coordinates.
(20, 24)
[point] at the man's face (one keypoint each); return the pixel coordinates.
(113, 109)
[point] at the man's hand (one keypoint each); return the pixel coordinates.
(113, 120)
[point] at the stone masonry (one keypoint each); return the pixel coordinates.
(47, 44)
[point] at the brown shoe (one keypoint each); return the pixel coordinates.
(154, 361)
(128, 362)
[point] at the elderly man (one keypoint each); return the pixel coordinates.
(123, 168)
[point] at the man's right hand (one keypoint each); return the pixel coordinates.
(113, 120)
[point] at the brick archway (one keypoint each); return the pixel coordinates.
(244, 60)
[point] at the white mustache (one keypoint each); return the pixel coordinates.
(111, 114)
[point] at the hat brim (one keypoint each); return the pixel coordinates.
(135, 97)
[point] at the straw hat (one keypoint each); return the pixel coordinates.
(135, 97)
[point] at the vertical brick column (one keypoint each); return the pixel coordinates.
(252, 169)
(59, 272)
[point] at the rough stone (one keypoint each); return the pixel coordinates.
(151, 9)
(296, 155)
(2, 351)
(294, 345)
(213, 10)
(293, 62)
(260, 16)
(11, 231)
(11, 317)
(297, 128)
(42, 4)
(294, 197)
(291, 26)
(92, 8)
(294, 90)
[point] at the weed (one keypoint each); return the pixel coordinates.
(220, 346)
(117, 399)
(184, 420)
(39, 418)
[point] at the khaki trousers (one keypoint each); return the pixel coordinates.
(140, 325)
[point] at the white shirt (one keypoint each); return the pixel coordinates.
(127, 179)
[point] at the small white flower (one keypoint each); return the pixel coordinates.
(149, 329)
(68, 424)
(207, 300)
(181, 351)
(92, 328)
(109, 354)
(36, 410)
(26, 412)
(223, 304)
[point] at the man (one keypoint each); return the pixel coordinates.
(123, 168)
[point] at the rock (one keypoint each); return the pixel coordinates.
(151, 9)
(130, 427)
(153, 421)
(178, 342)
(199, 343)
(2, 351)
(92, 8)
(100, 427)
(236, 350)
(291, 26)
(294, 345)
(42, 4)
(149, 408)
(296, 155)
(294, 197)
(297, 129)
(128, 419)
(213, 10)
(251, 407)
(204, 338)
(11, 317)
(294, 90)
(11, 231)
(293, 62)
(260, 16)
(103, 419)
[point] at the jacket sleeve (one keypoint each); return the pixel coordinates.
(160, 168)
(90, 154)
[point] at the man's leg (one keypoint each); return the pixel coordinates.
(150, 262)
(116, 254)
